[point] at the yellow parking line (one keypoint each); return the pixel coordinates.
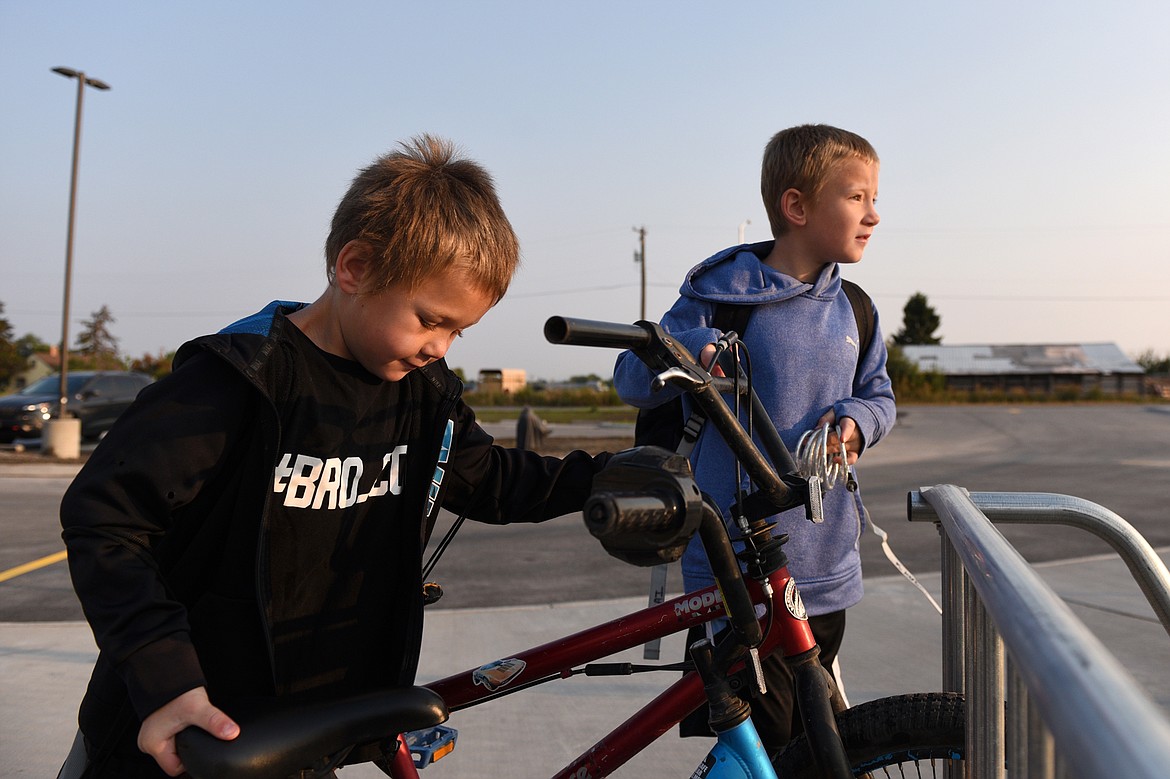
(12, 573)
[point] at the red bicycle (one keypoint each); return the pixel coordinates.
(644, 509)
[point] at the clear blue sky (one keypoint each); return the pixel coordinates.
(1025, 154)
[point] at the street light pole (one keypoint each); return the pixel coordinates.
(82, 82)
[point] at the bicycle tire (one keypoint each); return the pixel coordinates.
(919, 728)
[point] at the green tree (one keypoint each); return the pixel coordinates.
(96, 345)
(156, 365)
(12, 361)
(910, 383)
(29, 345)
(1153, 363)
(919, 321)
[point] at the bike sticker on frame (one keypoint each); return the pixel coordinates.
(705, 767)
(792, 600)
(495, 675)
(699, 605)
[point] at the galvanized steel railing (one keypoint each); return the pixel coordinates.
(1044, 695)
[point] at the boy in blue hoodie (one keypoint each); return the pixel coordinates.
(819, 186)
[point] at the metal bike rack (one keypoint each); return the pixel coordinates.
(1056, 700)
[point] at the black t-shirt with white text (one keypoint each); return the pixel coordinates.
(334, 514)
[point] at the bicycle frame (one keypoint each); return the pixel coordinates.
(788, 630)
(789, 633)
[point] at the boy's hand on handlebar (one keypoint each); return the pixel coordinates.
(156, 737)
(706, 357)
(849, 434)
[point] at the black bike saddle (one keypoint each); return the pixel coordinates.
(282, 742)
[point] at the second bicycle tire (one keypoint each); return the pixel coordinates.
(916, 728)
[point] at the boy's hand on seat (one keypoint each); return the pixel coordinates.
(849, 435)
(156, 737)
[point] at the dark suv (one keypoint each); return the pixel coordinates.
(96, 397)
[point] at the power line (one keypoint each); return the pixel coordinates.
(1039, 298)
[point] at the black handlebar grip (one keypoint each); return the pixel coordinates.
(588, 332)
(614, 514)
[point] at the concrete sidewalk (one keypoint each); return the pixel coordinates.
(892, 646)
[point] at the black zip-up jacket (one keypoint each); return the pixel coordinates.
(167, 542)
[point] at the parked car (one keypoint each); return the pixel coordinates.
(96, 397)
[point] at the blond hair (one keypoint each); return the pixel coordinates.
(424, 211)
(801, 158)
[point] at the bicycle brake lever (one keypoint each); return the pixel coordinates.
(680, 377)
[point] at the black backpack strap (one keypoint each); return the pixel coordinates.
(731, 316)
(862, 312)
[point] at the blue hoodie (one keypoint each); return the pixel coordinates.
(803, 342)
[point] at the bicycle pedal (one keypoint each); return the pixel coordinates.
(815, 511)
(428, 745)
(758, 671)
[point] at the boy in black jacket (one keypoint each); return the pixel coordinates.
(253, 526)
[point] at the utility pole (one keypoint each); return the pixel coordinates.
(640, 258)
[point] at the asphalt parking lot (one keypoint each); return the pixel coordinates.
(519, 585)
(1115, 455)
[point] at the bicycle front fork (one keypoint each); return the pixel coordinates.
(738, 753)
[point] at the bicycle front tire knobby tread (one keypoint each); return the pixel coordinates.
(918, 727)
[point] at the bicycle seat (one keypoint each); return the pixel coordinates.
(283, 741)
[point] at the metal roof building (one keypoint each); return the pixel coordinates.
(1031, 368)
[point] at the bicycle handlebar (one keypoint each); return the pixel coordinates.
(645, 508)
(660, 352)
(588, 332)
(609, 513)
